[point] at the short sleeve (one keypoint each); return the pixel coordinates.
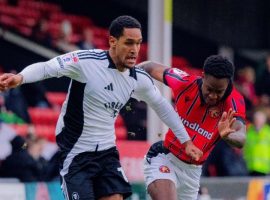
(237, 103)
(177, 79)
(146, 89)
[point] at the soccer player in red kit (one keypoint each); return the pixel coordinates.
(210, 109)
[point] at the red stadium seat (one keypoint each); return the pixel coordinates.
(45, 116)
(120, 128)
(56, 98)
(121, 133)
(46, 131)
(119, 122)
(20, 129)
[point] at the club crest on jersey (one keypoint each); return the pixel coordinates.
(214, 112)
(164, 169)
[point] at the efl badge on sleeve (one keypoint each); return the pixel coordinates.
(179, 72)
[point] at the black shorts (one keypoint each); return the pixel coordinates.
(93, 175)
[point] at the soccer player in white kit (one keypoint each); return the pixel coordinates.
(101, 84)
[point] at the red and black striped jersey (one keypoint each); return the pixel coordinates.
(199, 119)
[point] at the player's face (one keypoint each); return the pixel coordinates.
(213, 89)
(127, 47)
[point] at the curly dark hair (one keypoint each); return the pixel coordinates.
(219, 67)
(117, 26)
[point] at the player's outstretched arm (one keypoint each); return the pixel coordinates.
(231, 130)
(9, 80)
(156, 70)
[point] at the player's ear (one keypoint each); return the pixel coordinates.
(112, 41)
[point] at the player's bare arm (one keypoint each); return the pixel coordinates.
(232, 130)
(156, 70)
(9, 80)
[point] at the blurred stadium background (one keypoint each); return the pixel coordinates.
(178, 33)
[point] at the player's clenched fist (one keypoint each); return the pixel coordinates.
(191, 150)
(9, 80)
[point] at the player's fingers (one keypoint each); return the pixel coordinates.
(9, 80)
(197, 154)
(2, 89)
(232, 121)
(231, 113)
(196, 157)
(3, 77)
(224, 116)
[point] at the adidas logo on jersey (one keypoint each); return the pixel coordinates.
(109, 87)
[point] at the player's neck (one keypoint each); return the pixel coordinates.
(118, 66)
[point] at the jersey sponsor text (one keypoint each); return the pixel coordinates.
(196, 127)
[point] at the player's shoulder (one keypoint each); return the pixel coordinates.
(92, 54)
(142, 75)
(236, 94)
(235, 98)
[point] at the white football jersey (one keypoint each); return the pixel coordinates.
(96, 94)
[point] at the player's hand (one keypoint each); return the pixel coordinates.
(191, 150)
(225, 123)
(9, 80)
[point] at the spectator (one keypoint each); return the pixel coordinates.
(41, 32)
(25, 162)
(87, 40)
(257, 147)
(15, 107)
(6, 135)
(37, 100)
(52, 169)
(263, 80)
(225, 161)
(8, 116)
(245, 83)
(64, 43)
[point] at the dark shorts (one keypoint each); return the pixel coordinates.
(93, 175)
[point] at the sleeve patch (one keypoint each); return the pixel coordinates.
(179, 72)
(60, 62)
(70, 58)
